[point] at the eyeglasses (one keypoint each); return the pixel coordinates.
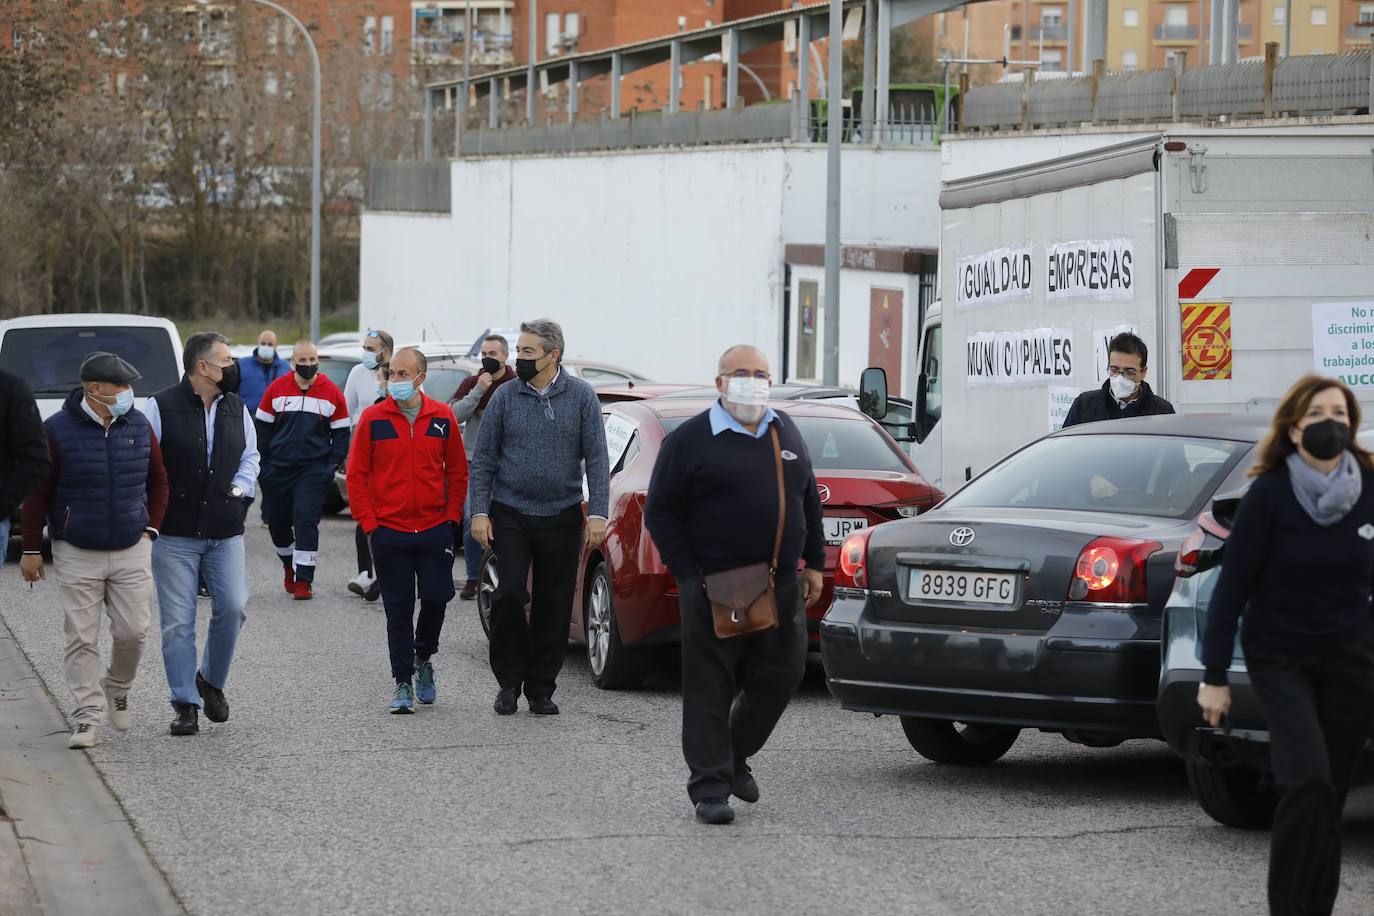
(548, 407)
(761, 374)
(1131, 374)
(372, 333)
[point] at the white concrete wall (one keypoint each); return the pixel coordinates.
(655, 260)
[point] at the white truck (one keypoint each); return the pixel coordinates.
(1243, 257)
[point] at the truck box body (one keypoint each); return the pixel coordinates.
(1218, 242)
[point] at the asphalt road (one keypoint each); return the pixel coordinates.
(312, 799)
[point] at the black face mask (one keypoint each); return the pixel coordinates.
(307, 372)
(1326, 440)
(229, 381)
(527, 369)
(491, 365)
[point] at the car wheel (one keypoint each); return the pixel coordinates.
(615, 666)
(487, 581)
(1234, 796)
(969, 744)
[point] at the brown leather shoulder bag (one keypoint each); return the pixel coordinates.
(743, 599)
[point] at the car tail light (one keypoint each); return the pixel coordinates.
(1112, 571)
(1190, 555)
(852, 569)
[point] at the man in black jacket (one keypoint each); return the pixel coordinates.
(24, 458)
(712, 507)
(210, 445)
(1125, 393)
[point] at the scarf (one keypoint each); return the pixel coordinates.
(1327, 499)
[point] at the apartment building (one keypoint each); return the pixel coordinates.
(1146, 34)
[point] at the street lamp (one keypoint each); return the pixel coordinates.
(314, 174)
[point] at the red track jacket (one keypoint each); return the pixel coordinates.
(408, 478)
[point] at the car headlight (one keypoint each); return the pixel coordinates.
(908, 511)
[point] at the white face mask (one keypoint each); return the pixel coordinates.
(1122, 387)
(746, 399)
(267, 352)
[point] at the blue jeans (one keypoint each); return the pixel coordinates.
(178, 563)
(5, 539)
(472, 551)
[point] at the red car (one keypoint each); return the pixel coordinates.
(626, 599)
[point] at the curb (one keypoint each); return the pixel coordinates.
(79, 852)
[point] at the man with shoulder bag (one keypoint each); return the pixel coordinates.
(733, 509)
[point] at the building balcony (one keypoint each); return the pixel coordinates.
(488, 50)
(1359, 32)
(1176, 33)
(1049, 34)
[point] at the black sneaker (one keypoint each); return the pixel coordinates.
(715, 811)
(374, 591)
(506, 701)
(216, 706)
(745, 787)
(187, 721)
(543, 706)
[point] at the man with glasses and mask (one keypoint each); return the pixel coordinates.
(526, 489)
(360, 393)
(303, 435)
(1125, 393)
(211, 448)
(713, 507)
(407, 477)
(469, 404)
(103, 502)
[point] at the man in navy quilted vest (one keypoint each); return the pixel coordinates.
(103, 501)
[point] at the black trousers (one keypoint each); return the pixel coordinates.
(406, 560)
(1320, 708)
(735, 690)
(293, 501)
(363, 549)
(530, 654)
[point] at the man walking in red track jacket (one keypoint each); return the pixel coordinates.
(407, 477)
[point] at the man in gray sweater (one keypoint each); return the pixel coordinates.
(538, 436)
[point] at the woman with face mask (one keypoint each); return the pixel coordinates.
(1299, 564)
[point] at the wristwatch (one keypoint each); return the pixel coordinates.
(240, 494)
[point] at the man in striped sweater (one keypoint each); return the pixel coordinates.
(303, 430)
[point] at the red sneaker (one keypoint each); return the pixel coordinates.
(290, 581)
(302, 591)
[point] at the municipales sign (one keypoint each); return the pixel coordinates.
(1100, 270)
(996, 276)
(1020, 357)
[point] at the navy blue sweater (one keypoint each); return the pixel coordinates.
(1303, 588)
(713, 501)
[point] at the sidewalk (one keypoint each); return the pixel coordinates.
(66, 845)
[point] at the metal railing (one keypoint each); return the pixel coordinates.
(1315, 85)
(413, 187)
(1175, 33)
(1359, 31)
(764, 123)
(1049, 32)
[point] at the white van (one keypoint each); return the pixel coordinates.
(47, 351)
(1229, 251)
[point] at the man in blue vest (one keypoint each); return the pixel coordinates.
(103, 501)
(211, 447)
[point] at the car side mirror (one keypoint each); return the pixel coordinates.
(873, 392)
(1225, 506)
(920, 427)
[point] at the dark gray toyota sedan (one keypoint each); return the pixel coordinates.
(1031, 598)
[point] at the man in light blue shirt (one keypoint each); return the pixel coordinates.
(211, 448)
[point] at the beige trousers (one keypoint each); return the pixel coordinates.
(121, 582)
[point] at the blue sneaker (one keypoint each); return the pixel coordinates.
(424, 682)
(403, 702)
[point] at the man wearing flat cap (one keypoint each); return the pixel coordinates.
(102, 501)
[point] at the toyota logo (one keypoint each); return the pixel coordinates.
(961, 537)
(824, 491)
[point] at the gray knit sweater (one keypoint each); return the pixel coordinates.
(533, 464)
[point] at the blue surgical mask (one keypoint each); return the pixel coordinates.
(266, 353)
(369, 360)
(401, 391)
(124, 402)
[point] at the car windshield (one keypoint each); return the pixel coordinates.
(1166, 476)
(336, 368)
(837, 444)
(50, 358)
